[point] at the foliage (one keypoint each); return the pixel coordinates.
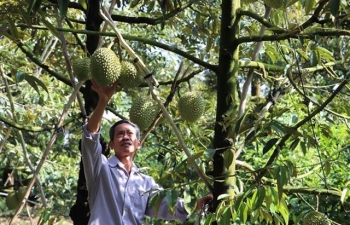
(290, 134)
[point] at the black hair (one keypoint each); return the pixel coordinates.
(112, 129)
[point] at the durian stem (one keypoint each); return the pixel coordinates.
(107, 18)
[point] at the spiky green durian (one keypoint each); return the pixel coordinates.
(129, 75)
(316, 218)
(143, 111)
(191, 106)
(275, 4)
(104, 66)
(81, 68)
(11, 200)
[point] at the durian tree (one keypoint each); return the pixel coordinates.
(266, 133)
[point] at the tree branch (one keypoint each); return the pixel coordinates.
(138, 19)
(295, 127)
(311, 191)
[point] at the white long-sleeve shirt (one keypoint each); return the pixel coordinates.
(115, 197)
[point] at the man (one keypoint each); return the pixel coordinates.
(118, 192)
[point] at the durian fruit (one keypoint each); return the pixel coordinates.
(104, 66)
(81, 68)
(11, 200)
(14, 198)
(275, 4)
(129, 75)
(20, 193)
(316, 218)
(143, 111)
(191, 106)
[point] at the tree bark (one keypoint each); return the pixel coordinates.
(80, 211)
(227, 101)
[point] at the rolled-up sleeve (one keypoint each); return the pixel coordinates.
(91, 150)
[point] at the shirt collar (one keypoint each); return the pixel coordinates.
(114, 161)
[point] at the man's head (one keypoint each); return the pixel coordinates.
(124, 138)
(112, 129)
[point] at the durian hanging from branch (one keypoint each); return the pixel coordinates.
(130, 76)
(105, 66)
(191, 106)
(81, 68)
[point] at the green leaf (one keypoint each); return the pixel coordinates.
(208, 154)
(229, 156)
(303, 147)
(327, 167)
(240, 122)
(259, 198)
(277, 174)
(189, 201)
(49, 25)
(269, 145)
(226, 217)
(278, 127)
(34, 6)
(344, 195)
(171, 198)
(294, 144)
(25, 16)
(273, 194)
(34, 82)
(243, 212)
(13, 28)
(63, 7)
(325, 54)
(313, 58)
(250, 136)
(222, 196)
(309, 5)
(283, 209)
(220, 210)
(194, 157)
(245, 195)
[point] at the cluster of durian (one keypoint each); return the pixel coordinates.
(105, 68)
(316, 218)
(144, 109)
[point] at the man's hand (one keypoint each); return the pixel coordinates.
(105, 93)
(201, 202)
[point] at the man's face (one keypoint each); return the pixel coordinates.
(125, 142)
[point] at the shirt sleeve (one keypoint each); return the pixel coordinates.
(91, 151)
(164, 212)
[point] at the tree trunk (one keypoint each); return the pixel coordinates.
(227, 101)
(80, 212)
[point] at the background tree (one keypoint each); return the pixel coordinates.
(273, 140)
